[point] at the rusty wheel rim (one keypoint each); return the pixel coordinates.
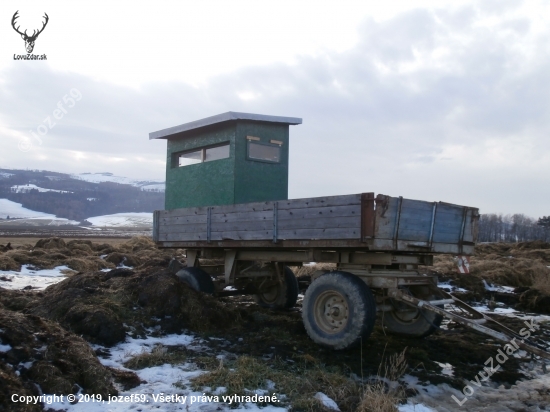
(331, 312)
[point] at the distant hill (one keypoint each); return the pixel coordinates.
(77, 197)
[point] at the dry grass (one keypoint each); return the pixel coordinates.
(305, 378)
(503, 264)
(300, 385)
(309, 270)
(158, 356)
(379, 396)
(542, 282)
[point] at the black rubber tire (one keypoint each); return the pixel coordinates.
(197, 279)
(281, 296)
(423, 324)
(352, 305)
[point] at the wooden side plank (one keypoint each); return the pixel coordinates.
(330, 233)
(327, 218)
(327, 201)
(352, 222)
(298, 234)
(182, 220)
(324, 223)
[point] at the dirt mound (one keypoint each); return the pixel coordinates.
(7, 263)
(51, 243)
(12, 384)
(137, 244)
(98, 305)
(18, 300)
(534, 300)
(78, 305)
(126, 259)
(44, 353)
(86, 256)
(6, 247)
(164, 295)
(535, 244)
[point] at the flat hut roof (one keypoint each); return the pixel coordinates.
(220, 118)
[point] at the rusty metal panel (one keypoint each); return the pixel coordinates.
(156, 228)
(367, 215)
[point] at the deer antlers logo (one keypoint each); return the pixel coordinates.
(29, 40)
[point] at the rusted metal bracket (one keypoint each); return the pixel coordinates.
(397, 220)
(367, 216)
(432, 226)
(474, 324)
(229, 264)
(275, 220)
(209, 224)
(191, 257)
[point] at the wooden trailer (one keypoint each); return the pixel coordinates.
(377, 243)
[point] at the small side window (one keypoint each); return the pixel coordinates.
(216, 153)
(264, 152)
(205, 154)
(190, 158)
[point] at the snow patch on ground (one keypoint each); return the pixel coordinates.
(410, 407)
(497, 288)
(157, 187)
(450, 288)
(122, 220)
(16, 210)
(326, 401)
(37, 279)
(159, 380)
(4, 348)
(524, 395)
(447, 368)
(500, 311)
(109, 177)
(28, 187)
(39, 221)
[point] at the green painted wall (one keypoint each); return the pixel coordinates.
(226, 181)
(203, 184)
(257, 181)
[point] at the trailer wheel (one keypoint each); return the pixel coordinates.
(280, 296)
(407, 321)
(339, 310)
(197, 279)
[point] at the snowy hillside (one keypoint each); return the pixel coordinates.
(23, 216)
(157, 185)
(122, 220)
(16, 210)
(28, 187)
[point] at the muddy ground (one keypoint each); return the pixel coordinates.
(49, 331)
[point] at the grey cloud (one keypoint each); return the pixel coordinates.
(363, 129)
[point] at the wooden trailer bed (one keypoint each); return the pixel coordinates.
(359, 221)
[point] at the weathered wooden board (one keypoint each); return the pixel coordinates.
(398, 224)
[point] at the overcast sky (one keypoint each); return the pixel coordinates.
(432, 100)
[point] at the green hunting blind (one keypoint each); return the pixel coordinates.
(227, 159)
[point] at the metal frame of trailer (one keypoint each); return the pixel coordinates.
(380, 240)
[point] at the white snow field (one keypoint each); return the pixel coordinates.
(28, 217)
(16, 210)
(122, 220)
(109, 177)
(157, 187)
(28, 187)
(37, 279)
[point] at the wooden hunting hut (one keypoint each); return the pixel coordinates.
(227, 159)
